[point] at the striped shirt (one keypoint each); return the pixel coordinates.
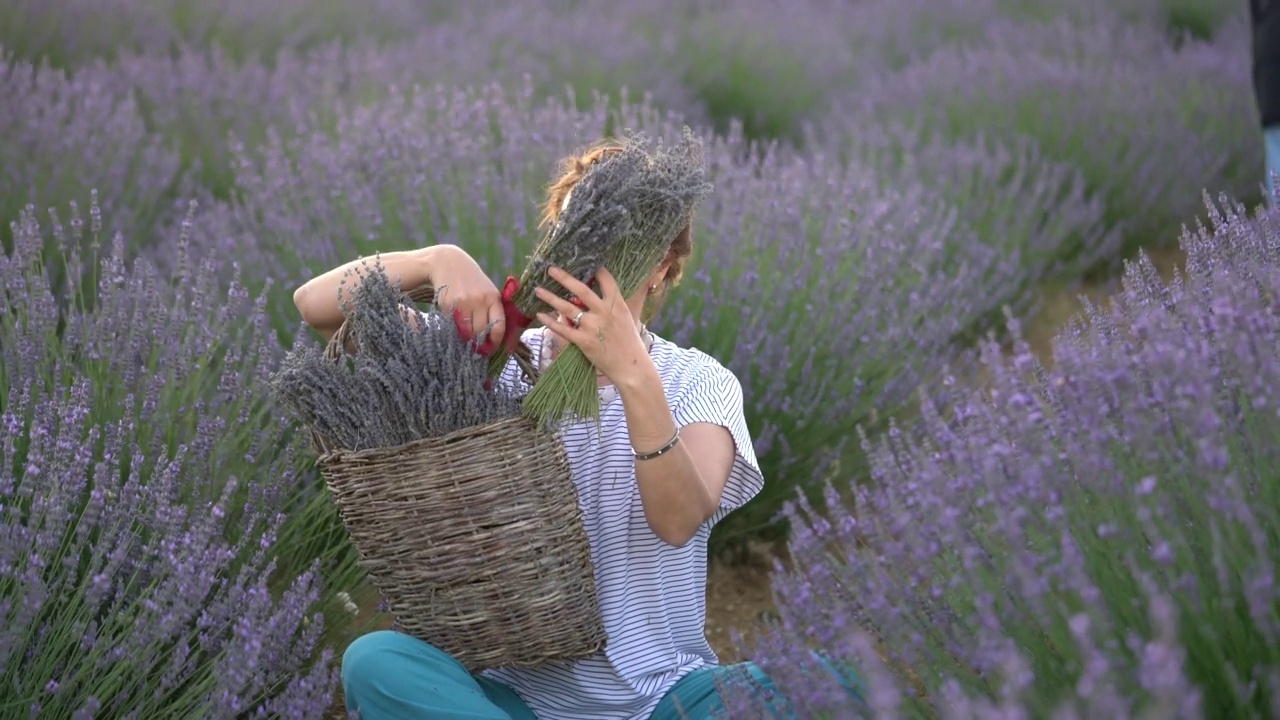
(652, 595)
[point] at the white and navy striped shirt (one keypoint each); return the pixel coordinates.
(652, 595)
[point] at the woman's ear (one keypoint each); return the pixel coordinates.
(656, 280)
(660, 275)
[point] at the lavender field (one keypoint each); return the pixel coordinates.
(972, 530)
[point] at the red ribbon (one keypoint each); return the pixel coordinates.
(517, 322)
(591, 284)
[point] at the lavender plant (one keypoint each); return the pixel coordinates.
(1034, 210)
(586, 47)
(412, 377)
(142, 490)
(888, 35)
(777, 66)
(67, 134)
(833, 291)
(1095, 539)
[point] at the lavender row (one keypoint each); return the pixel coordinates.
(1149, 124)
(75, 32)
(145, 485)
(1095, 539)
(158, 126)
(775, 69)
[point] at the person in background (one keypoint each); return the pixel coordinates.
(1265, 18)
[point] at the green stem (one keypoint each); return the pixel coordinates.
(567, 390)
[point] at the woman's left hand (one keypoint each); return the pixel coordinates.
(604, 330)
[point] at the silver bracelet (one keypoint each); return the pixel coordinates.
(675, 439)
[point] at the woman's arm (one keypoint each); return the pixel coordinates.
(464, 286)
(679, 489)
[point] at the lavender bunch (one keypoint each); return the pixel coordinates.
(588, 228)
(639, 199)
(412, 377)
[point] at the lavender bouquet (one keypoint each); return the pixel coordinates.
(622, 215)
(413, 376)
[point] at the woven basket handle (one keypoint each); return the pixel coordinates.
(423, 294)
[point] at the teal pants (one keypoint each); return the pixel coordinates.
(387, 675)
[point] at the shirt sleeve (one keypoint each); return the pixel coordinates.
(715, 396)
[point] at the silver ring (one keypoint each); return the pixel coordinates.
(578, 318)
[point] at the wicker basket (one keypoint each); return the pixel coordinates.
(475, 539)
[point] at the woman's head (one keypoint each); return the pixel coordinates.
(571, 171)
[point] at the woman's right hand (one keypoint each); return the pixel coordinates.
(463, 289)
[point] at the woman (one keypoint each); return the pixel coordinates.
(669, 458)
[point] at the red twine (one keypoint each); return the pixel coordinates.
(517, 322)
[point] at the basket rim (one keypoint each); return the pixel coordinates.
(332, 455)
